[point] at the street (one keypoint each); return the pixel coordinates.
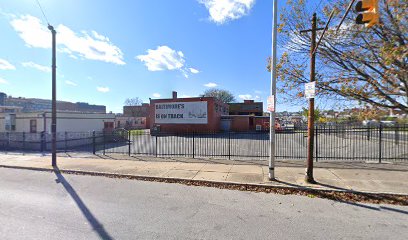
(45, 205)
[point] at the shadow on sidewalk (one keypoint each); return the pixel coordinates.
(353, 196)
(96, 225)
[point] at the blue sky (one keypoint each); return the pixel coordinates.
(112, 50)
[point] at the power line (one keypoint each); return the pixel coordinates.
(45, 17)
(318, 5)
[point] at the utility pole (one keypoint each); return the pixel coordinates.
(54, 99)
(310, 123)
(310, 120)
(273, 92)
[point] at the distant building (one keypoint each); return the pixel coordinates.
(36, 104)
(66, 122)
(248, 107)
(195, 114)
(131, 122)
(136, 111)
(3, 97)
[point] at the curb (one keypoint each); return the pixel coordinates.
(346, 196)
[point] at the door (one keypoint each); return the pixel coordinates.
(33, 126)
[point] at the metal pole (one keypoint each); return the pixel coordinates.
(93, 143)
(380, 143)
(156, 147)
(66, 141)
(193, 145)
(23, 141)
(8, 141)
(273, 92)
(229, 145)
(129, 142)
(310, 126)
(104, 143)
(54, 99)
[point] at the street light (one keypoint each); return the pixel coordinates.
(273, 92)
(54, 100)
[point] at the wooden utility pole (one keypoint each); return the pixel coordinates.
(310, 123)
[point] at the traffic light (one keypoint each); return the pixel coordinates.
(368, 12)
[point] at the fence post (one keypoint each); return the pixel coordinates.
(8, 141)
(93, 143)
(42, 141)
(380, 143)
(66, 141)
(129, 142)
(315, 145)
(23, 140)
(368, 133)
(155, 153)
(396, 134)
(229, 145)
(104, 142)
(193, 145)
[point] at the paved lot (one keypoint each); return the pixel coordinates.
(346, 145)
(380, 178)
(40, 205)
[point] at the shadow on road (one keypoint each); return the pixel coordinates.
(96, 225)
(352, 197)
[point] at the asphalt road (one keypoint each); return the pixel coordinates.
(41, 205)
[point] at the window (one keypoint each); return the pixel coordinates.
(10, 122)
(33, 126)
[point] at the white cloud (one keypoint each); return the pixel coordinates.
(258, 92)
(156, 95)
(193, 70)
(211, 85)
(249, 97)
(36, 66)
(163, 58)
(89, 46)
(103, 89)
(3, 81)
(5, 65)
(245, 96)
(222, 11)
(71, 83)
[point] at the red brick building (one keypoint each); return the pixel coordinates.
(137, 117)
(247, 123)
(181, 115)
(248, 107)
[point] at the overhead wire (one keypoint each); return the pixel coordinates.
(45, 17)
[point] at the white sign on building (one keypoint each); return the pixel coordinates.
(181, 112)
(310, 89)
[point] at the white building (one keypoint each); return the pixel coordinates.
(66, 122)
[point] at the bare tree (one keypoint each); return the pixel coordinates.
(368, 65)
(133, 101)
(223, 95)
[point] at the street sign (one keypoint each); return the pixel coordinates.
(310, 89)
(271, 104)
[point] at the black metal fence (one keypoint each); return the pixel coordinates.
(337, 142)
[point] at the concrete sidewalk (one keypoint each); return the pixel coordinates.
(354, 176)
